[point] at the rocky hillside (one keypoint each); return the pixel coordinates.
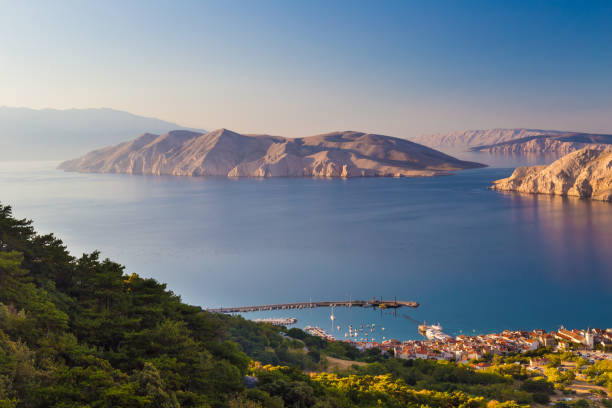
(462, 141)
(226, 153)
(586, 173)
(558, 144)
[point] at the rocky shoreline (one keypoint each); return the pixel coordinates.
(586, 173)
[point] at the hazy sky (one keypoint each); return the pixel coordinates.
(298, 68)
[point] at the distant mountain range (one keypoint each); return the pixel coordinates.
(52, 134)
(462, 141)
(226, 153)
(560, 144)
(514, 141)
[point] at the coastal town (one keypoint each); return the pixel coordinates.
(572, 366)
(463, 348)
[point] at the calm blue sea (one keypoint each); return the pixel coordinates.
(475, 259)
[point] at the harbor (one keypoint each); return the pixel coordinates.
(463, 348)
(391, 333)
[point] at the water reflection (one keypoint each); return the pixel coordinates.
(573, 234)
(507, 159)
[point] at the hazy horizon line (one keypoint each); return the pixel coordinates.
(213, 128)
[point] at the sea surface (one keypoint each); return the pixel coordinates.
(476, 260)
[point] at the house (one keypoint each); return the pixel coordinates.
(548, 340)
(534, 362)
(571, 336)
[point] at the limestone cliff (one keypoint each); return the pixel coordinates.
(542, 144)
(464, 140)
(586, 173)
(226, 153)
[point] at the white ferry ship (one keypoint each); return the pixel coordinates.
(433, 332)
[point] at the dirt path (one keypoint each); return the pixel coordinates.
(582, 387)
(341, 364)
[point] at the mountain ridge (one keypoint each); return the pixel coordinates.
(223, 152)
(462, 140)
(560, 144)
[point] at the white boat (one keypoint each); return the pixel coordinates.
(433, 332)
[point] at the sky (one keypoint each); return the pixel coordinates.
(296, 68)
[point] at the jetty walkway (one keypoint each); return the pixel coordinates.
(374, 303)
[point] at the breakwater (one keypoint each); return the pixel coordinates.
(375, 303)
